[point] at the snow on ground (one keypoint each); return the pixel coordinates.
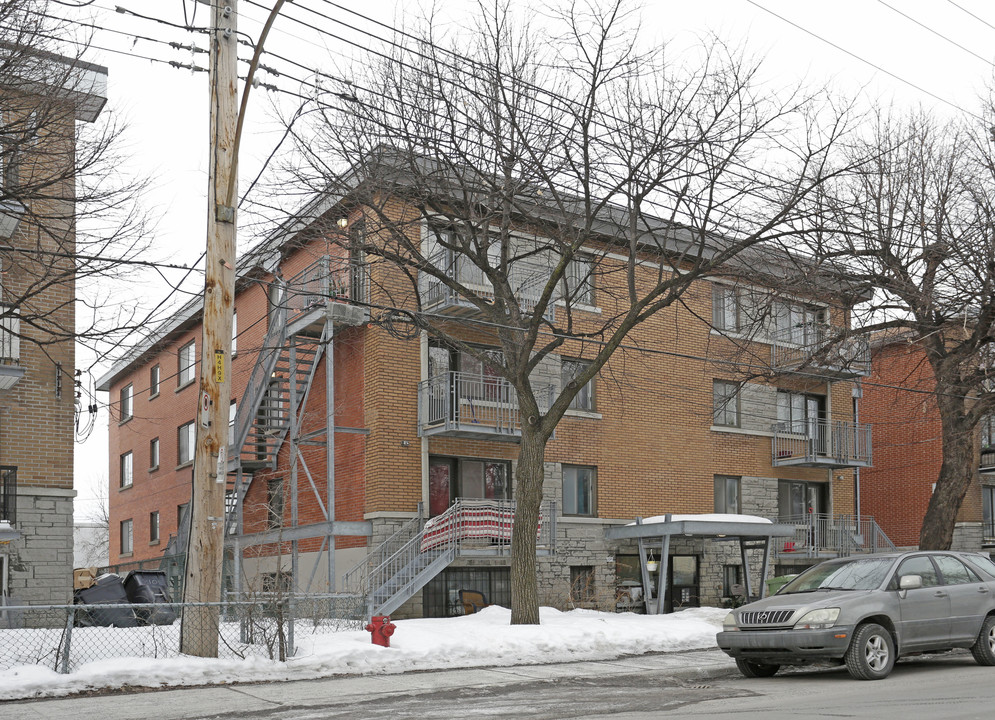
(484, 639)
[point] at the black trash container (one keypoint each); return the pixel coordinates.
(149, 586)
(100, 600)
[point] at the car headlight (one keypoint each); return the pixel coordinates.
(729, 624)
(818, 619)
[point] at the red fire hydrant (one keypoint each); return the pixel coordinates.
(381, 628)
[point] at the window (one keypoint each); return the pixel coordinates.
(127, 470)
(440, 597)
(274, 502)
(451, 478)
(582, 584)
(725, 403)
(154, 377)
(126, 537)
(579, 280)
(919, 565)
(154, 454)
(126, 402)
(234, 332)
(187, 363)
(232, 412)
(185, 439)
(987, 432)
(584, 399)
(797, 500)
(153, 527)
(798, 324)
(732, 580)
(725, 308)
(181, 515)
(799, 413)
(578, 490)
(727, 498)
(954, 571)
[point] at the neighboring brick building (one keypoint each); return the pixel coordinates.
(908, 449)
(37, 366)
(417, 424)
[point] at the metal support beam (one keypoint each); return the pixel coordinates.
(352, 528)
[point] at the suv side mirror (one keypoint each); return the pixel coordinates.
(910, 582)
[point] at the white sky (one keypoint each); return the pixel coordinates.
(167, 108)
(483, 639)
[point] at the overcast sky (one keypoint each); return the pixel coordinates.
(858, 46)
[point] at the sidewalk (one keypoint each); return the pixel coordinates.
(344, 691)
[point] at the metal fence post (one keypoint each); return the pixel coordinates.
(290, 629)
(70, 621)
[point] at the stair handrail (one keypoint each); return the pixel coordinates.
(302, 397)
(357, 577)
(262, 371)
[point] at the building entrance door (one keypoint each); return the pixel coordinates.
(682, 583)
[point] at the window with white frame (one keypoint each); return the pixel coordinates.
(569, 369)
(154, 454)
(798, 324)
(127, 539)
(579, 490)
(127, 469)
(579, 280)
(153, 527)
(725, 403)
(185, 439)
(127, 398)
(187, 363)
(232, 412)
(727, 495)
(798, 412)
(154, 377)
(234, 332)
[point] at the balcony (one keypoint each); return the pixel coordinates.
(987, 461)
(526, 279)
(341, 281)
(822, 444)
(820, 535)
(8, 494)
(820, 349)
(472, 406)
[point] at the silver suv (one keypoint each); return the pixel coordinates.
(867, 611)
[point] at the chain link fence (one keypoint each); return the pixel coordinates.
(64, 637)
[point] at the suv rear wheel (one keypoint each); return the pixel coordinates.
(871, 654)
(756, 670)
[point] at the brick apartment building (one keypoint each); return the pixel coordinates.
(908, 451)
(420, 429)
(37, 366)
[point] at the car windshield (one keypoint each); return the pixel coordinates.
(862, 574)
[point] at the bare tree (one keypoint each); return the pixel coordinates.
(917, 225)
(530, 173)
(67, 211)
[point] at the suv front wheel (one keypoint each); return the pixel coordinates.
(871, 654)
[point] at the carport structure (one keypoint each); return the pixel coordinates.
(753, 534)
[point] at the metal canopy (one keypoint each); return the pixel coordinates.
(749, 535)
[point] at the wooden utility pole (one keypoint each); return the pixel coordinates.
(205, 553)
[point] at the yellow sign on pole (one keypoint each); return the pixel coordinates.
(219, 366)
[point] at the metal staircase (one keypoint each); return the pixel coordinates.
(406, 561)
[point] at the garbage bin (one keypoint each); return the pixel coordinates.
(776, 583)
(100, 599)
(149, 586)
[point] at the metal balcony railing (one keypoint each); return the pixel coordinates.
(527, 280)
(328, 278)
(987, 460)
(821, 348)
(467, 402)
(838, 535)
(822, 443)
(8, 493)
(10, 336)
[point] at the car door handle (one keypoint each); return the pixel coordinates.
(983, 590)
(940, 594)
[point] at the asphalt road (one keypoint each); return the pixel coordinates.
(695, 685)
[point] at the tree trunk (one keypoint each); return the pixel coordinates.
(955, 476)
(528, 500)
